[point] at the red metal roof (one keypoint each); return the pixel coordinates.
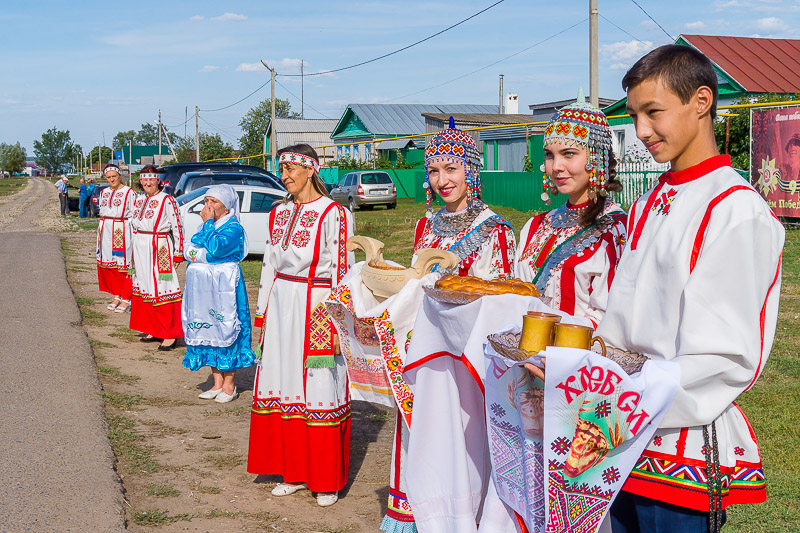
(759, 65)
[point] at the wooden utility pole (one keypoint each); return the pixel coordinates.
(594, 62)
(302, 93)
(196, 135)
(272, 147)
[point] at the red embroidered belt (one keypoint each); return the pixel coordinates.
(325, 282)
(162, 233)
(116, 219)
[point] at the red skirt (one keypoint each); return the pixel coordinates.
(319, 456)
(162, 321)
(115, 282)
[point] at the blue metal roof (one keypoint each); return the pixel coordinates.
(402, 119)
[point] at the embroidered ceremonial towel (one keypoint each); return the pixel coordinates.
(374, 337)
(597, 422)
(448, 472)
(208, 311)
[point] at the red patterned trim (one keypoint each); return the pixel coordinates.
(394, 367)
(471, 369)
(419, 230)
(631, 219)
(647, 207)
(761, 319)
(314, 282)
(699, 170)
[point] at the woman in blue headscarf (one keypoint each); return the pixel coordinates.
(215, 312)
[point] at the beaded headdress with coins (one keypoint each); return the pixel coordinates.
(582, 124)
(452, 144)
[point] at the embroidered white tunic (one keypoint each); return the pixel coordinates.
(157, 242)
(301, 406)
(573, 268)
(699, 284)
(114, 228)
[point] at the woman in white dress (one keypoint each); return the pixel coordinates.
(157, 251)
(114, 245)
(300, 421)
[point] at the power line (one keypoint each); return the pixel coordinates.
(399, 49)
(236, 102)
(219, 130)
(620, 29)
(306, 103)
(654, 20)
(491, 64)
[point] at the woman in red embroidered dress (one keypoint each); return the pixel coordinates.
(157, 251)
(114, 240)
(571, 252)
(300, 421)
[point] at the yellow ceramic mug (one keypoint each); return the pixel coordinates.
(537, 331)
(575, 336)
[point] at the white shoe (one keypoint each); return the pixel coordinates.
(284, 489)
(326, 499)
(209, 394)
(225, 398)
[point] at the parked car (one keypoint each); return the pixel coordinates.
(190, 181)
(255, 203)
(94, 204)
(173, 173)
(365, 188)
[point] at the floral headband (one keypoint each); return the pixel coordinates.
(146, 175)
(111, 168)
(299, 159)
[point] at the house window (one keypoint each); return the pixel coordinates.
(620, 143)
(338, 152)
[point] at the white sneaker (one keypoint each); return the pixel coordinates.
(284, 489)
(209, 394)
(225, 398)
(326, 499)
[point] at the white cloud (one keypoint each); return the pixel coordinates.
(196, 17)
(624, 53)
(209, 68)
(230, 16)
(695, 26)
(771, 24)
(250, 67)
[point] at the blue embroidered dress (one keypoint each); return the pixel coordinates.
(216, 314)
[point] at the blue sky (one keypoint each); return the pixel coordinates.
(101, 67)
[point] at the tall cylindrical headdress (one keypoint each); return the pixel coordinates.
(582, 124)
(452, 144)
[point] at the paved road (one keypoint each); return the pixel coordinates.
(55, 458)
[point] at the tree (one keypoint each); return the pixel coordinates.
(123, 139)
(147, 135)
(105, 155)
(213, 147)
(738, 142)
(254, 125)
(54, 150)
(12, 158)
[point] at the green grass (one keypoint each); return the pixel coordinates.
(121, 400)
(157, 517)
(224, 461)
(124, 333)
(162, 490)
(11, 185)
(115, 375)
(128, 447)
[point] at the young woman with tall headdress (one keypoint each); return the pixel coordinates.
(570, 253)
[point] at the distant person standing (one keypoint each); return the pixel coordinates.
(83, 197)
(63, 196)
(90, 187)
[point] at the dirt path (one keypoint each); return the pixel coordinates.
(182, 460)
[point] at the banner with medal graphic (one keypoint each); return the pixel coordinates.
(561, 451)
(775, 158)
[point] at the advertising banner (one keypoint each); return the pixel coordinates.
(775, 158)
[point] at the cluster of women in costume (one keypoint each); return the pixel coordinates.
(300, 419)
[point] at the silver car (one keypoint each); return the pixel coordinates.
(365, 188)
